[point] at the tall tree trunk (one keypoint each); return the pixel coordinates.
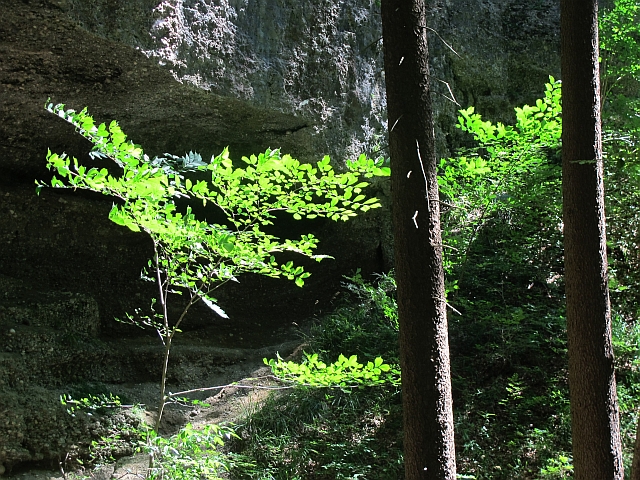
(635, 467)
(594, 407)
(429, 451)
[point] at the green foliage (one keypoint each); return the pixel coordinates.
(619, 37)
(508, 276)
(504, 177)
(508, 351)
(339, 433)
(502, 224)
(344, 372)
(378, 304)
(196, 255)
(379, 295)
(626, 346)
(560, 467)
(619, 44)
(94, 403)
(367, 327)
(190, 454)
(620, 64)
(312, 434)
(120, 431)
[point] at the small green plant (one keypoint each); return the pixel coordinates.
(559, 467)
(93, 403)
(367, 325)
(190, 454)
(122, 430)
(195, 256)
(344, 373)
(381, 294)
(513, 167)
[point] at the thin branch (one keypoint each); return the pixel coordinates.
(442, 202)
(184, 313)
(263, 387)
(218, 285)
(452, 97)
(442, 40)
(395, 123)
(452, 308)
(372, 44)
(236, 385)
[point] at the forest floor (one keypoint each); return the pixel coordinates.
(229, 404)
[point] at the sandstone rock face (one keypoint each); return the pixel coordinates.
(322, 60)
(181, 75)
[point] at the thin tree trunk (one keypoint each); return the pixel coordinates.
(429, 451)
(163, 382)
(594, 407)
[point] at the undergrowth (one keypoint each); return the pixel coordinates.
(508, 354)
(316, 433)
(511, 403)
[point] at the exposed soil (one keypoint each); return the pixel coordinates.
(222, 405)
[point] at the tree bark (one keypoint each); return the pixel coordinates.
(429, 451)
(635, 466)
(594, 408)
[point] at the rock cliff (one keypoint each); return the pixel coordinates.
(185, 75)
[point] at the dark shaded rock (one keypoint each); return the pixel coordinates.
(199, 75)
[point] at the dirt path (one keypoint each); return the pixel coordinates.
(228, 404)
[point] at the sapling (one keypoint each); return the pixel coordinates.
(191, 255)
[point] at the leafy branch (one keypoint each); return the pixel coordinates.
(192, 254)
(491, 177)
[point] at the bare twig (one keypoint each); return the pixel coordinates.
(442, 40)
(452, 97)
(452, 308)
